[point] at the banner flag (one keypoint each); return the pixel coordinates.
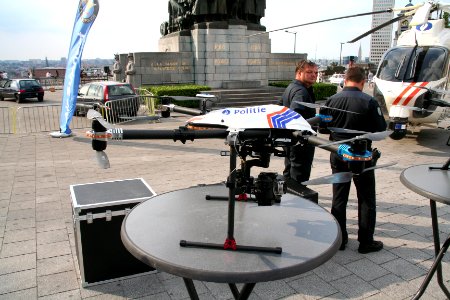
(86, 13)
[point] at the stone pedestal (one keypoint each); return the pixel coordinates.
(224, 56)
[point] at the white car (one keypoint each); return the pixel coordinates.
(337, 79)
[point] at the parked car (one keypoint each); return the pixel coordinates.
(2, 84)
(21, 89)
(337, 79)
(119, 98)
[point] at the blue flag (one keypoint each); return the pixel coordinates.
(86, 13)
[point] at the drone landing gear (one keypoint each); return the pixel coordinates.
(230, 242)
(445, 167)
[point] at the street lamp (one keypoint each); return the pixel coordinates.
(295, 37)
(340, 55)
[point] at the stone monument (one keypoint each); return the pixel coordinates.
(218, 34)
(218, 43)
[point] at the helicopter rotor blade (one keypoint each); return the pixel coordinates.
(422, 14)
(102, 159)
(326, 20)
(396, 19)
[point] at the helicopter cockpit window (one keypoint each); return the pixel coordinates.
(413, 64)
(392, 68)
(432, 66)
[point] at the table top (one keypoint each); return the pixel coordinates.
(307, 233)
(433, 184)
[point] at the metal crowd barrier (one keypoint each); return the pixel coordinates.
(34, 119)
(130, 109)
(45, 118)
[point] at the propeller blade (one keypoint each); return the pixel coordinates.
(396, 19)
(330, 179)
(374, 136)
(338, 109)
(380, 166)
(102, 159)
(342, 177)
(307, 104)
(314, 105)
(343, 130)
(95, 115)
(377, 136)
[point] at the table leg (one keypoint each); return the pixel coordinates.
(191, 288)
(439, 254)
(238, 295)
(244, 293)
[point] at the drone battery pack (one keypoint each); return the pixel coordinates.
(98, 211)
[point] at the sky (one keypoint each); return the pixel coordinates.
(39, 29)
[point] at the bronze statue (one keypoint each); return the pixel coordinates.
(184, 13)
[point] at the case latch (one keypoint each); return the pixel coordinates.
(89, 218)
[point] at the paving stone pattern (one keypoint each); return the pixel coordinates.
(37, 249)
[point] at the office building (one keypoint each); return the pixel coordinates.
(381, 39)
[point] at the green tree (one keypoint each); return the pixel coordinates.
(334, 68)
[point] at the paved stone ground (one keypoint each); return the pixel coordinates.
(37, 246)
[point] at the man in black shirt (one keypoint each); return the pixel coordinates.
(369, 118)
(299, 158)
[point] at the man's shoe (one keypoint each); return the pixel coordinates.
(374, 246)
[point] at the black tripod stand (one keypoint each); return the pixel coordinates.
(230, 242)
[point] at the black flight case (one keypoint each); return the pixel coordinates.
(98, 211)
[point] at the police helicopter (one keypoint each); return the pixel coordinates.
(412, 78)
(411, 81)
(253, 134)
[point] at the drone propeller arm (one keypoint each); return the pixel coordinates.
(314, 120)
(181, 134)
(183, 110)
(316, 141)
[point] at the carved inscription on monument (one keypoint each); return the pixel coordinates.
(168, 66)
(277, 62)
(255, 47)
(219, 47)
(221, 61)
(254, 62)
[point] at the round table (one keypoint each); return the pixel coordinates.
(308, 235)
(432, 182)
